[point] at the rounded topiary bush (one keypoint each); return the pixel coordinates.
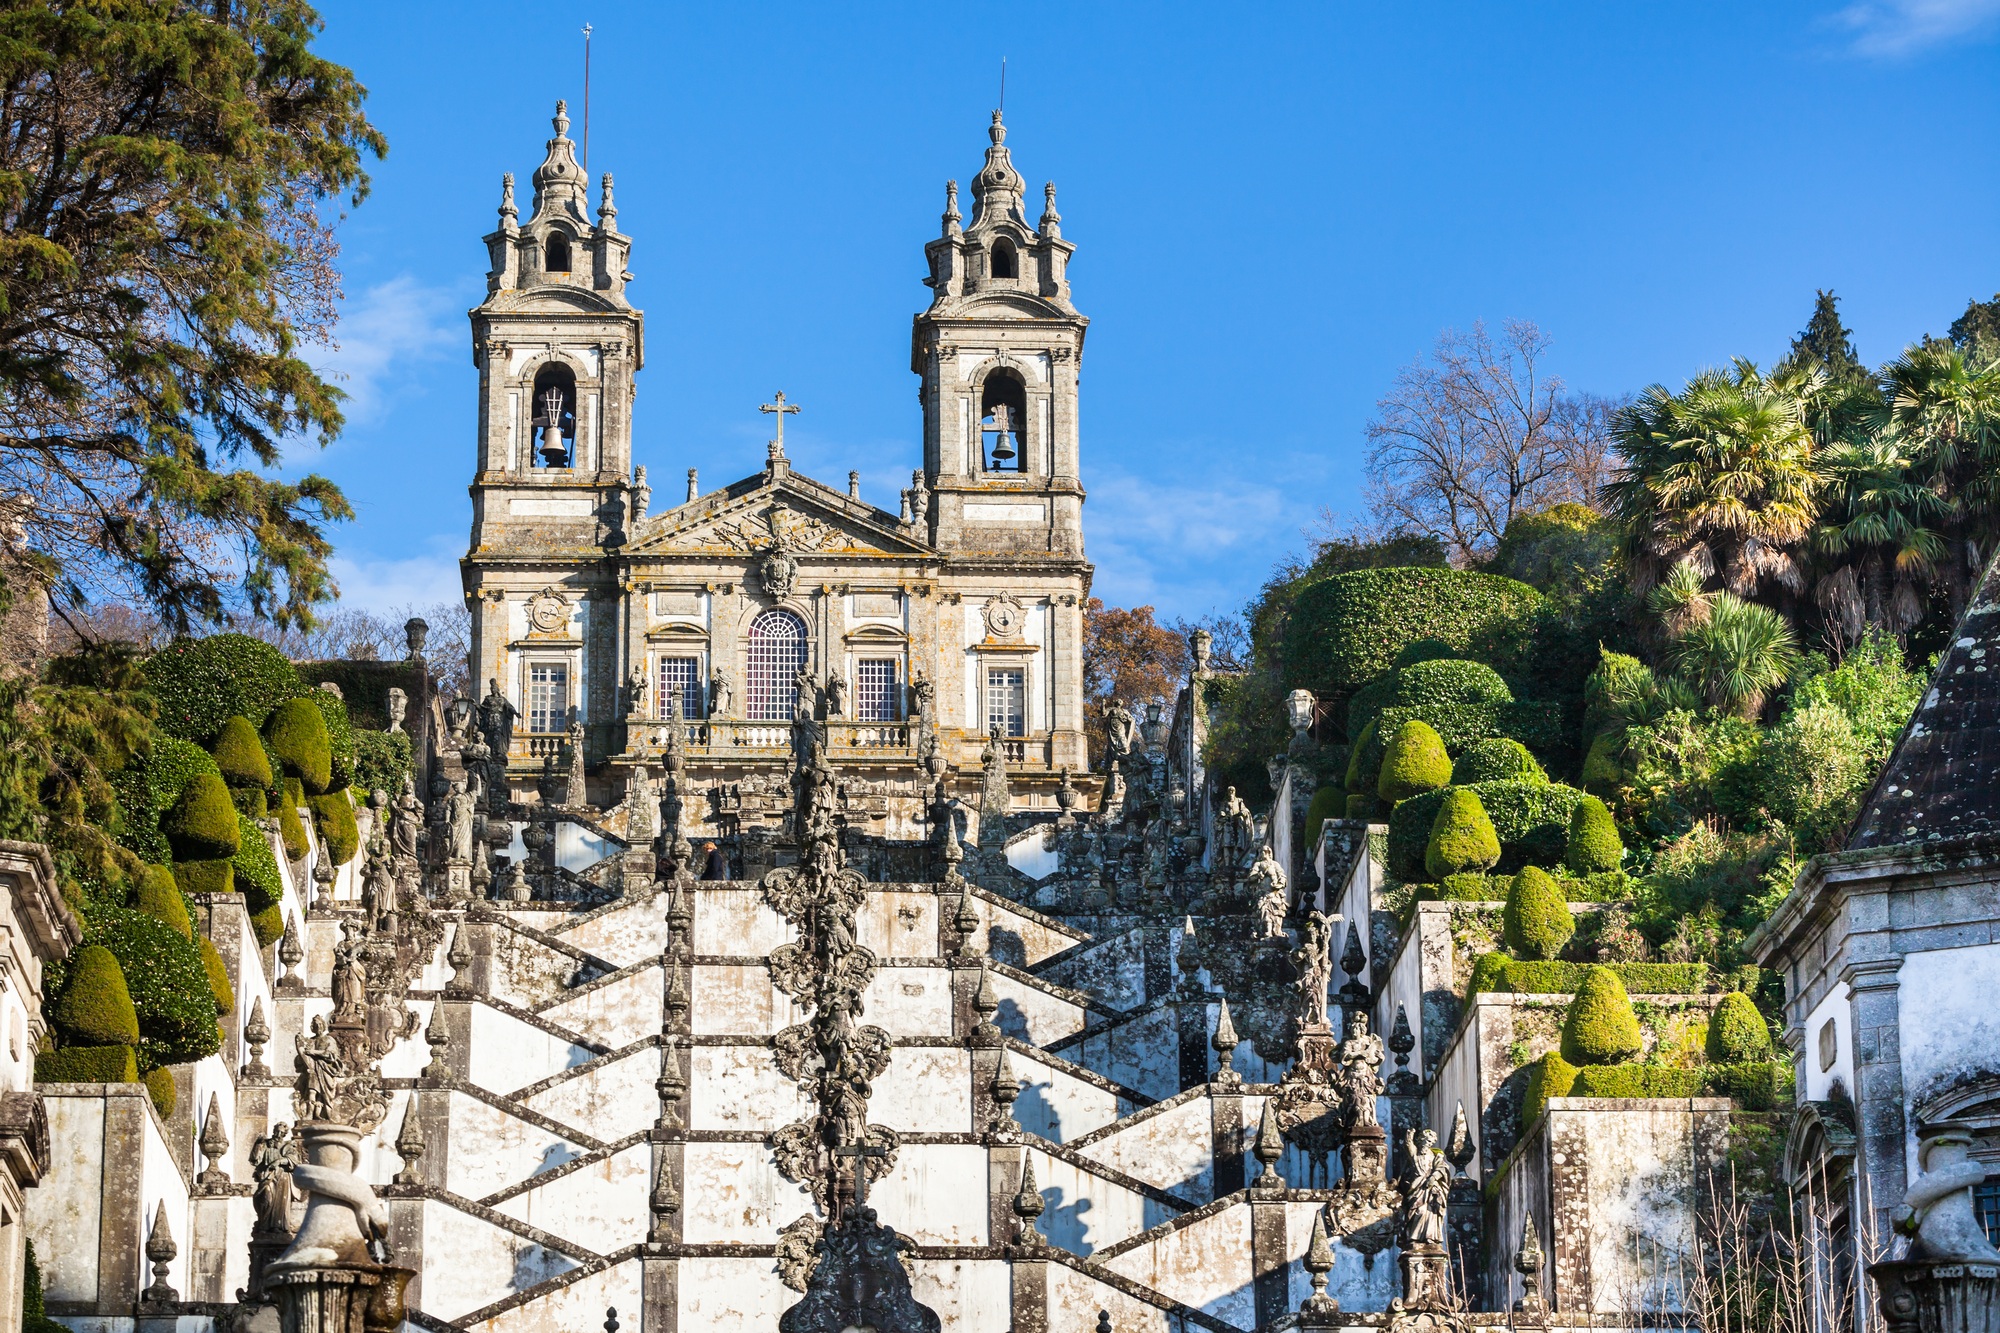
(201, 824)
(94, 1007)
(297, 732)
(1328, 802)
(1414, 761)
(197, 877)
(1462, 837)
(218, 976)
(333, 815)
(1360, 805)
(257, 875)
(159, 896)
(1423, 650)
(1537, 921)
(201, 683)
(1347, 629)
(1497, 759)
(339, 739)
(1364, 762)
(1448, 682)
(269, 925)
(1594, 846)
(148, 788)
(160, 1086)
(87, 1064)
(1601, 1028)
(168, 986)
(1737, 1032)
(240, 755)
(292, 831)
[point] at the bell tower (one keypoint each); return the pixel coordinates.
(998, 352)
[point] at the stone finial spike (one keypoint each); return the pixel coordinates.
(987, 998)
(1528, 1263)
(438, 1038)
(997, 131)
(256, 1033)
(214, 1145)
(854, 485)
(290, 952)
(664, 1202)
(611, 1319)
(1225, 1042)
(951, 214)
(1027, 1203)
(1104, 1321)
(606, 209)
(1051, 220)
(508, 212)
(1270, 1146)
(1319, 1262)
(409, 1145)
(1005, 1086)
(1459, 1148)
(694, 485)
(160, 1249)
(1352, 958)
(561, 118)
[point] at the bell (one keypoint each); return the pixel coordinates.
(1003, 448)
(554, 452)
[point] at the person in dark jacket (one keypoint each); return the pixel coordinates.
(712, 865)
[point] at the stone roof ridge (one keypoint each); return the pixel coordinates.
(740, 501)
(1942, 779)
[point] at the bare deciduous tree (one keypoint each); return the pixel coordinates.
(1478, 433)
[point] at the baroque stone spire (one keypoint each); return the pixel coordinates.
(559, 181)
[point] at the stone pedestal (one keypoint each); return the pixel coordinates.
(1426, 1278)
(1367, 1155)
(366, 1299)
(330, 1233)
(1924, 1296)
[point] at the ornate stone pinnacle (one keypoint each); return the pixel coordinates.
(1104, 1321)
(1459, 1149)
(323, 882)
(214, 1146)
(1188, 959)
(1005, 1086)
(508, 212)
(409, 1145)
(671, 1086)
(439, 1040)
(160, 1249)
(460, 958)
(665, 1201)
(1402, 1041)
(256, 1033)
(986, 1003)
(1270, 1146)
(291, 953)
(1027, 1204)
(1225, 1042)
(610, 1319)
(1319, 1262)
(676, 1001)
(965, 921)
(1528, 1263)
(1353, 961)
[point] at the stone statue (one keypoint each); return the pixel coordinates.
(807, 707)
(1271, 911)
(836, 695)
(1235, 832)
(1938, 1212)
(272, 1158)
(406, 821)
(1359, 1059)
(1119, 729)
(458, 822)
(1426, 1191)
(718, 693)
(920, 497)
(322, 1072)
(1266, 885)
(1314, 961)
(399, 707)
(350, 977)
(923, 696)
(632, 694)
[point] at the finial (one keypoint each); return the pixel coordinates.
(951, 214)
(1225, 1041)
(1459, 1147)
(1402, 1041)
(694, 485)
(996, 131)
(611, 1319)
(409, 1146)
(1528, 1263)
(1104, 1321)
(1027, 1204)
(507, 210)
(608, 209)
(561, 119)
(986, 1003)
(1051, 220)
(255, 1033)
(1319, 1262)
(160, 1248)
(854, 485)
(214, 1144)
(1270, 1146)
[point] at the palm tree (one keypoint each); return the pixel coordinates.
(1944, 414)
(1737, 656)
(1878, 540)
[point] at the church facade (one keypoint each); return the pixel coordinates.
(728, 612)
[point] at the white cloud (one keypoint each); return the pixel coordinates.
(379, 585)
(1186, 548)
(1890, 29)
(388, 332)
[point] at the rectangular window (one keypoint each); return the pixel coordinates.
(683, 673)
(1006, 700)
(548, 697)
(877, 698)
(1986, 1202)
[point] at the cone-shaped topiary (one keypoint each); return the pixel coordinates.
(1497, 760)
(293, 831)
(333, 814)
(1359, 778)
(95, 1007)
(257, 875)
(218, 976)
(1594, 846)
(1360, 805)
(1550, 1076)
(1413, 761)
(1329, 802)
(269, 925)
(240, 755)
(1462, 837)
(159, 896)
(160, 1085)
(169, 986)
(87, 1064)
(205, 876)
(1602, 773)
(251, 802)
(1537, 922)
(297, 732)
(201, 825)
(1601, 1028)
(1737, 1032)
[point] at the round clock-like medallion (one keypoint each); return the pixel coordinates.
(1004, 616)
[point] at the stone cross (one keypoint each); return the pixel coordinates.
(858, 1153)
(779, 409)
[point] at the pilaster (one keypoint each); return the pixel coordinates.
(1875, 1006)
(1225, 1119)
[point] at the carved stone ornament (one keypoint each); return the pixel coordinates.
(860, 1282)
(548, 612)
(775, 527)
(779, 574)
(1004, 616)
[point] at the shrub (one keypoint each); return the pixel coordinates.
(87, 1064)
(382, 759)
(251, 802)
(218, 976)
(240, 755)
(1602, 773)
(339, 739)
(1368, 703)
(1462, 837)
(1328, 802)
(1759, 1085)
(1446, 682)
(1531, 820)
(205, 876)
(169, 986)
(257, 877)
(159, 896)
(148, 788)
(1537, 921)
(1550, 1076)
(1347, 629)
(1360, 805)
(1601, 1028)
(1414, 761)
(1499, 974)
(1639, 1081)
(202, 683)
(333, 815)
(1559, 545)
(1470, 887)
(1593, 846)
(160, 1087)
(94, 1007)
(201, 824)
(1497, 759)
(297, 732)
(1737, 1032)
(269, 925)
(1423, 650)
(291, 831)
(1364, 762)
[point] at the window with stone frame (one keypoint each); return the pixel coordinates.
(877, 695)
(777, 651)
(1986, 1202)
(548, 697)
(1003, 418)
(1007, 700)
(683, 673)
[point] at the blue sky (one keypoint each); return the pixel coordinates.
(1275, 207)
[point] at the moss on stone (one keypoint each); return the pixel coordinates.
(1537, 922)
(218, 976)
(1462, 837)
(201, 824)
(1413, 761)
(87, 1064)
(1737, 1032)
(94, 1007)
(333, 816)
(1601, 1028)
(297, 732)
(240, 755)
(1594, 846)
(158, 895)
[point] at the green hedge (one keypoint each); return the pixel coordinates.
(1497, 759)
(160, 1086)
(147, 788)
(1484, 888)
(205, 876)
(1364, 763)
(382, 759)
(169, 986)
(218, 976)
(1758, 1085)
(1367, 705)
(158, 895)
(1414, 761)
(1462, 837)
(201, 824)
(364, 686)
(292, 831)
(1630, 1080)
(258, 877)
(1594, 846)
(1531, 820)
(201, 683)
(333, 816)
(269, 925)
(1550, 1076)
(87, 1064)
(297, 732)
(1498, 973)
(251, 802)
(339, 739)
(94, 1005)
(1347, 629)
(239, 753)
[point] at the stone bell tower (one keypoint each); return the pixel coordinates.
(999, 351)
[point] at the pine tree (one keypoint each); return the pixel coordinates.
(1977, 331)
(1826, 343)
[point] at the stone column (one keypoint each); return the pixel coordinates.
(1225, 1119)
(1875, 1006)
(1269, 1254)
(1003, 1182)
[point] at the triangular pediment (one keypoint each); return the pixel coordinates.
(758, 514)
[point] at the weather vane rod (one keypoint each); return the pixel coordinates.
(586, 100)
(1003, 91)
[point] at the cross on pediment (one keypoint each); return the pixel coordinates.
(779, 409)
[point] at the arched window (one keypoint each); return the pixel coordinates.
(1004, 262)
(777, 651)
(555, 416)
(555, 255)
(1003, 415)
